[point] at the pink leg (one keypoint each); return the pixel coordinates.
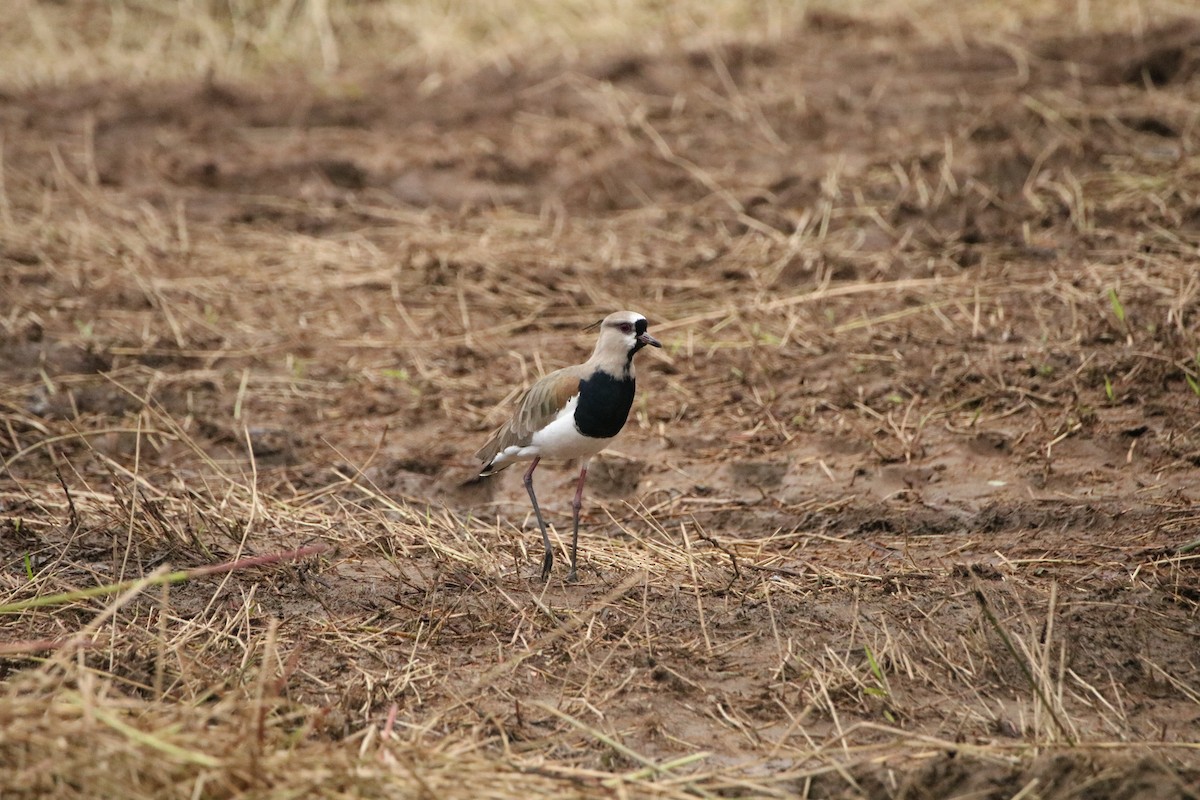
(575, 506)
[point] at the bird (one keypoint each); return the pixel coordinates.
(572, 413)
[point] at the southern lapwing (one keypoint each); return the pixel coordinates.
(574, 412)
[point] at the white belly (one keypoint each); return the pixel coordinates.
(558, 440)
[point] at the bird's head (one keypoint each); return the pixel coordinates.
(622, 334)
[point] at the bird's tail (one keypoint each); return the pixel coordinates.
(489, 469)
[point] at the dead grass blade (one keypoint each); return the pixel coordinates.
(178, 576)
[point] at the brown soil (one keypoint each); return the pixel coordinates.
(897, 510)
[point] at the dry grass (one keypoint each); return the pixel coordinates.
(909, 474)
(92, 40)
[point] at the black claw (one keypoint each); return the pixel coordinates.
(547, 563)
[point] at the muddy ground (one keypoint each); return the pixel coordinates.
(897, 513)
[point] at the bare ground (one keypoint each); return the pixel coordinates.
(898, 512)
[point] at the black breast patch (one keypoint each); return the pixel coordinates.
(604, 403)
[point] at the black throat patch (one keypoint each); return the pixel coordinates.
(639, 327)
(604, 403)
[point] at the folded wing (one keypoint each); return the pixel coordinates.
(535, 409)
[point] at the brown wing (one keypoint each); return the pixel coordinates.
(535, 409)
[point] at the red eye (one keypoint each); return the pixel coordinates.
(626, 327)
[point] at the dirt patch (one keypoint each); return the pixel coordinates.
(896, 513)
